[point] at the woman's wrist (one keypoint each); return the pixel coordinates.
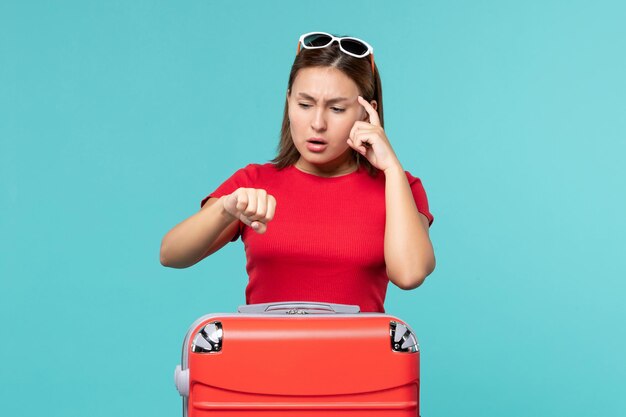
(225, 214)
(395, 168)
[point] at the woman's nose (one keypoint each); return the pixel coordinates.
(319, 122)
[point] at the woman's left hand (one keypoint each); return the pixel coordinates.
(370, 140)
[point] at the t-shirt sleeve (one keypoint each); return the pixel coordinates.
(419, 195)
(241, 178)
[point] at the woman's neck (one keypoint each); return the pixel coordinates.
(328, 170)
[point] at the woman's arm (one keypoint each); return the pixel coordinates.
(215, 225)
(409, 254)
(199, 235)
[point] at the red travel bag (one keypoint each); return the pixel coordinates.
(299, 359)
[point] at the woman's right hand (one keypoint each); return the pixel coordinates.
(253, 206)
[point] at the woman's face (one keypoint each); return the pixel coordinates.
(323, 107)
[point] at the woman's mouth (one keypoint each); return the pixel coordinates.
(316, 144)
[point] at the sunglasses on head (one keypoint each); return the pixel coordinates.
(352, 46)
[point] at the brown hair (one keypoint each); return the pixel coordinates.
(358, 69)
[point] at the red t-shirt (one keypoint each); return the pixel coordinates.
(325, 242)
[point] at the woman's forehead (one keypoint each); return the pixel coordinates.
(324, 83)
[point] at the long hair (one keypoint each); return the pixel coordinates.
(358, 69)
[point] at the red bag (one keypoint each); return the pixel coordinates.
(299, 359)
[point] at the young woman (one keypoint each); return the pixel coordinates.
(334, 217)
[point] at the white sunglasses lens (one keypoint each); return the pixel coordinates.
(354, 47)
(317, 40)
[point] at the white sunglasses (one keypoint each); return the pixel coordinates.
(351, 46)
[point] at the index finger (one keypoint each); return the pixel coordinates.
(374, 119)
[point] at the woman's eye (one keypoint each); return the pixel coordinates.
(304, 105)
(337, 109)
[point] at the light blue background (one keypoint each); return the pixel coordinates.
(117, 117)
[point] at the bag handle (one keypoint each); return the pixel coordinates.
(298, 307)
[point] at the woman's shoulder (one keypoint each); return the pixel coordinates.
(254, 170)
(257, 167)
